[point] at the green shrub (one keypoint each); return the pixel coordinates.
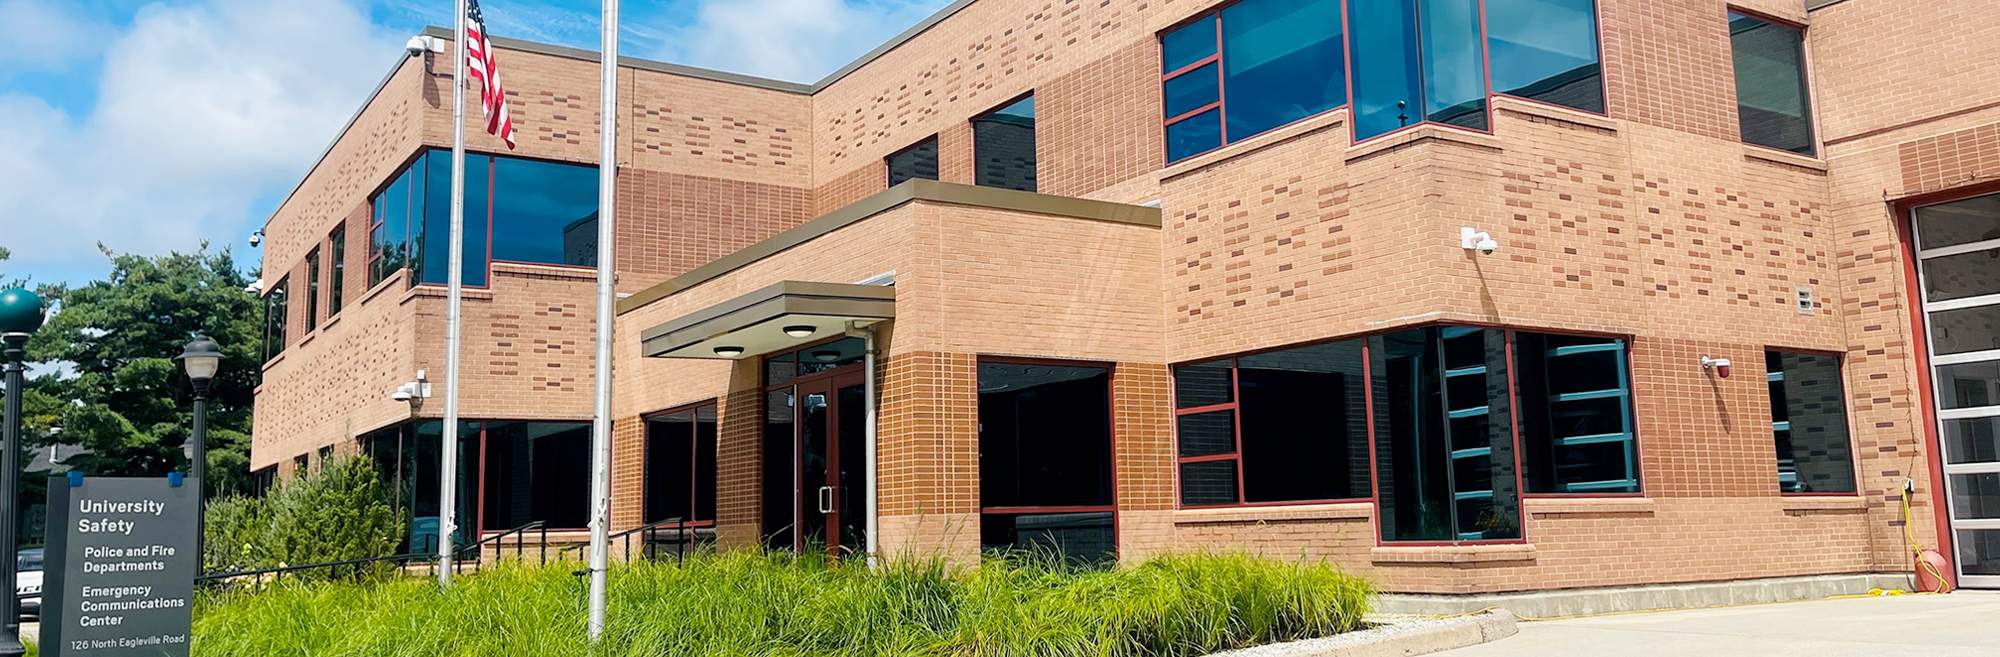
(336, 513)
(777, 605)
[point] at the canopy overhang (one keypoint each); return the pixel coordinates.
(755, 323)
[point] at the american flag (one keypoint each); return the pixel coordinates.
(479, 59)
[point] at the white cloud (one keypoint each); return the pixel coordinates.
(202, 110)
(42, 34)
(800, 40)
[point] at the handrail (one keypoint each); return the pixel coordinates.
(457, 560)
(681, 527)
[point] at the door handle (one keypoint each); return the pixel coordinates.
(826, 499)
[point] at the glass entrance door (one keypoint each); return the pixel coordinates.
(831, 506)
(1958, 257)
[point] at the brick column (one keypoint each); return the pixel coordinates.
(929, 455)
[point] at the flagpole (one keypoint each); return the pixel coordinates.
(607, 213)
(448, 470)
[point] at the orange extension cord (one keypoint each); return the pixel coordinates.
(1917, 549)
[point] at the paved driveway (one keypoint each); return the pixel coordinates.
(1965, 623)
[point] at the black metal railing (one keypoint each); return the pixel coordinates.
(430, 557)
(654, 536)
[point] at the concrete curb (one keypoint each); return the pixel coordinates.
(1420, 636)
(1590, 602)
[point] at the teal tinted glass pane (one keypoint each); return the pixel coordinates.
(544, 212)
(436, 213)
(1412, 457)
(395, 242)
(1771, 84)
(1454, 63)
(1387, 91)
(1546, 50)
(1187, 45)
(1283, 60)
(1192, 90)
(1194, 135)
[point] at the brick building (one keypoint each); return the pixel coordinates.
(1465, 296)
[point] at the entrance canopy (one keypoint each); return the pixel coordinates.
(770, 320)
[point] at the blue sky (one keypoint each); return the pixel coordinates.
(152, 125)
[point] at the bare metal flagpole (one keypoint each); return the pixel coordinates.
(607, 213)
(448, 471)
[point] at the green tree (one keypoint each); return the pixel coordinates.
(127, 402)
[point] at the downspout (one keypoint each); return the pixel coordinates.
(854, 329)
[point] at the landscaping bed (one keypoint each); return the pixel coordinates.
(752, 604)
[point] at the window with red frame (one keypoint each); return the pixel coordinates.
(680, 466)
(1248, 68)
(1282, 426)
(1045, 472)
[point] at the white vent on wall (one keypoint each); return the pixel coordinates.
(1805, 300)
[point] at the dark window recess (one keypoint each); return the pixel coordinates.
(780, 460)
(1279, 61)
(312, 290)
(516, 210)
(301, 464)
(1575, 408)
(534, 472)
(1412, 64)
(680, 466)
(1546, 50)
(1958, 222)
(1003, 147)
(1298, 417)
(1809, 423)
(1045, 442)
(325, 455)
(919, 161)
(1772, 102)
(407, 458)
(1444, 442)
(262, 481)
(275, 314)
(337, 275)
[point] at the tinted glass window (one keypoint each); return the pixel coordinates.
(1207, 434)
(544, 212)
(436, 227)
(1814, 453)
(1192, 90)
(1965, 329)
(1187, 45)
(1304, 424)
(1208, 483)
(1454, 63)
(1972, 440)
(1003, 145)
(535, 471)
(1044, 435)
(1387, 82)
(1962, 275)
(1194, 135)
(1203, 384)
(1959, 222)
(1079, 539)
(680, 466)
(1443, 435)
(1546, 50)
(312, 290)
(337, 276)
(1968, 385)
(1771, 97)
(920, 161)
(1575, 410)
(1283, 60)
(389, 238)
(275, 314)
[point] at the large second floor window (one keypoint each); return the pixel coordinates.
(516, 210)
(1771, 99)
(1256, 65)
(1253, 66)
(1003, 147)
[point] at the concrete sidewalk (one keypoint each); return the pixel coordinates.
(1965, 623)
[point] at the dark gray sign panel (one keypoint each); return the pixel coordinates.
(121, 567)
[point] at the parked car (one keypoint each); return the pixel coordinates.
(28, 581)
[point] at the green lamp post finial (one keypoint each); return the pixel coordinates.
(20, 311)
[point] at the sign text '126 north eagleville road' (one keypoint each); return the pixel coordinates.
(121, 567)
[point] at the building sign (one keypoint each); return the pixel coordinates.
(121, 567)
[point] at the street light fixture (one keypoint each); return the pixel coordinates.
(201, 358)
(20, 315)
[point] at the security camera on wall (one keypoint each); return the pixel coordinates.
(1471, 238)
(256, 238)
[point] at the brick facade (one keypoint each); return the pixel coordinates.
(1651, 222)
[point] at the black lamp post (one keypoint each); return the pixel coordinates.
(201, 358)
(20, 315)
